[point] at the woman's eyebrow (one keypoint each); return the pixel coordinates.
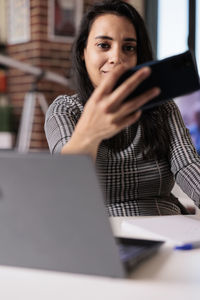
(105, 37)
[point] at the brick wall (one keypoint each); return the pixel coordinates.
(43, 53)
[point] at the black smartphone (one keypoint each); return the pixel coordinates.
(175, 76)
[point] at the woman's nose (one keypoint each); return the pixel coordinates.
(116, 57)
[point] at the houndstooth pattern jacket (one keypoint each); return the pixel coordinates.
(134, 186)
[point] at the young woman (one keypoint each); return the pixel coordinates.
(138, 155)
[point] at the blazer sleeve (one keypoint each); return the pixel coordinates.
(183, 157)
(60, 121)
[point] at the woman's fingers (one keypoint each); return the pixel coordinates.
(106, 113)
(129, 85)
(128, 121)
(133, 105)
(108, 83)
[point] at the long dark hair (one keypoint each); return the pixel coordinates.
(154, 129)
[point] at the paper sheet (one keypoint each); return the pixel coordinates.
(177, 229)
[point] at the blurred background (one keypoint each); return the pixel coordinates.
(37, 35)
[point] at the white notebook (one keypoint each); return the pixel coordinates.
(177, 229)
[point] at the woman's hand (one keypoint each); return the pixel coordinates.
(106, 114)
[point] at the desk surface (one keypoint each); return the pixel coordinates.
(168, 274)
(168, 266)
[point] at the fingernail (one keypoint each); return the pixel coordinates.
(146, 70)
(157, 91)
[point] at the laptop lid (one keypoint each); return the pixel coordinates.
(52, 215)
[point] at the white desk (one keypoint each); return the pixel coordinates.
(169, 274)
(168, 266)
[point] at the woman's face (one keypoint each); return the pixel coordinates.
(112, 40)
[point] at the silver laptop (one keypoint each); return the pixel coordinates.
(52, 217)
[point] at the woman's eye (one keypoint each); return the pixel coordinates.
(103, 45)
(130, 48)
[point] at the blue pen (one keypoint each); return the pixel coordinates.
(188, 246)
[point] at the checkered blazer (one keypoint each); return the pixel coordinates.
(132, 185)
